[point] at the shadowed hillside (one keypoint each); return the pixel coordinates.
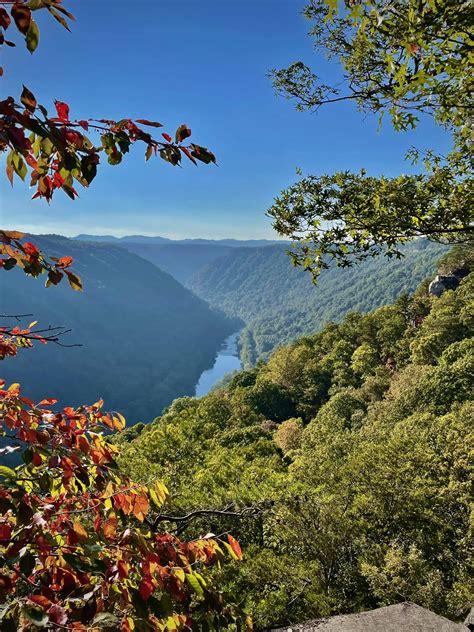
(145, 338)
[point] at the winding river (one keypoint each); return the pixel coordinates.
(227, 360)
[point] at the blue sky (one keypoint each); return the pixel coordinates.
(204, 63)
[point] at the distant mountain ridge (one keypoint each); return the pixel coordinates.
(145, 239)
(145, 338)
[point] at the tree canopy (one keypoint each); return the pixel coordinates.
(352, 445)
(405, 61)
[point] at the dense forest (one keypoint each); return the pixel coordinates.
(145, 338)
(349, 448)
(278, 302)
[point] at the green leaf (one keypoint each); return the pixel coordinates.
(7, 472)
(27, 563)
(32, 37)
(105, 619)
(38, 617)
(195, 584)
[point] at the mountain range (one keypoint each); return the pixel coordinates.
(153, 315)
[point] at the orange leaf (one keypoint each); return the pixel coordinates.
(122, 568)
(235, 546)
(110, 527)
(48, 402)
(80, 531)
(140, 507)
(40, 600)
(119, 422)
(64, 262)
(83, 444)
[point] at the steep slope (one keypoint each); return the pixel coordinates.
(145, 338)
(279, 303)
(354, 445)
(179, 260)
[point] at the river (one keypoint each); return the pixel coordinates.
(227, 360)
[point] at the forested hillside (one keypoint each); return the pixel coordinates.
(350, 449)
(145, 338)
(279, 303)
(181, 258)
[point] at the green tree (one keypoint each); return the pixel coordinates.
(407, 61)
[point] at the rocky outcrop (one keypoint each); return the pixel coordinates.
(443, 282)
(402, 617)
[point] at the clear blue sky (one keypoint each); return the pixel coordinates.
(204, 63)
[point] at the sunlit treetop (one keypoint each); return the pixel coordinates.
(403, 58)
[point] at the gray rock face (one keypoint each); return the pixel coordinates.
(441, 283)
(402, 617)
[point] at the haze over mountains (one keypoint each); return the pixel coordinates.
(146, 239)
(277, 302)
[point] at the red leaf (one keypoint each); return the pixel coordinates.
(5, 531)
(57, 615)
(182, 133)
(167, 137)
(22, 17)
(30, 249)
(63, 110)
(4, 18)
(150, 123)
(84, 125)
(188, 154)
(146, 589)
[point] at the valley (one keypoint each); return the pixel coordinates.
(186, 340)
(145, 339)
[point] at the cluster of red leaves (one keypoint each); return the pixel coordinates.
(78, 550)
(28, 257)
(11, 338)
(58, 153)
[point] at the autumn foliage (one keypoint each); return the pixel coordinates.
(80, 547)
(78, 544)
